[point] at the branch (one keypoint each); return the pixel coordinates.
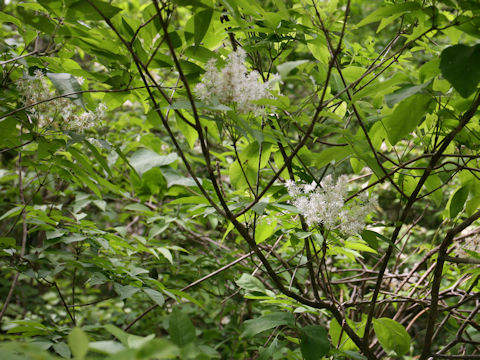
(437, 278)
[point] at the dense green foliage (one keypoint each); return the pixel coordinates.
(234, 179)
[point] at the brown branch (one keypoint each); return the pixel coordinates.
(459, 260)
(437, 278)
(64, 303)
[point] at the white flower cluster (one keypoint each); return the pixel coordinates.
(61, 112)
(234, 85)
(324, 204)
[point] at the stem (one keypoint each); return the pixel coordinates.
(24, 234)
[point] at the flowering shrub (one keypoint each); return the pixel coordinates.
(324, 204)
(233, 85)
(176, 226)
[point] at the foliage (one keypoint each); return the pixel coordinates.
(262, 179)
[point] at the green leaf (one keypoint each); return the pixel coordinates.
(16, 350)
(268, 353)
(314, 342)
(125, 291)
(250, 283)
(78, 342)
(392, 335)
(12, 212)
(158, 349)
(371, 238)
(5, 18)
(200, 53)
(194, 3)
(184, 295)
(66, 84)
(166, 254)
(406, 116)
(403, 93)
(180, 328)
(265, 229)
(338, 335)
(136, 342)
(8, 132)
(457, 201)
(334, 153)
(285, 68)
(106, 347)
(54, 6)
(36, 20)
(118, 333)
(62, 349)
(319, 50)
(145, 159)
(201, 22)
(390, 10)
(27, 328)
(153, 183)
(99, 157)
(255, 326)
(155, 296)
(459, 65)
(82, 10)
(7, 242)
(381, 87)
(191, 135)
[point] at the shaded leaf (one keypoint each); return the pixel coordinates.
(250, 283)
(5, 18)
(118, 333)
(459, 65)
(125, 291)
(83, 10)
(285, 68)
(255, 326)
(406, 116)
(145, 159)
(180, 328)
(314, 342)
(390, 10)
(155, 296)
(202, 22)
(457, 201)
(66, 84)
(62, 349)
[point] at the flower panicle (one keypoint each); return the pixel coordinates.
(324, 204)
(234, 85)
(62, 112)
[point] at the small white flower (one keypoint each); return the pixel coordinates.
(309, 187)
(293, 189)
(325, 205)
(234, 85)
(60, 112)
